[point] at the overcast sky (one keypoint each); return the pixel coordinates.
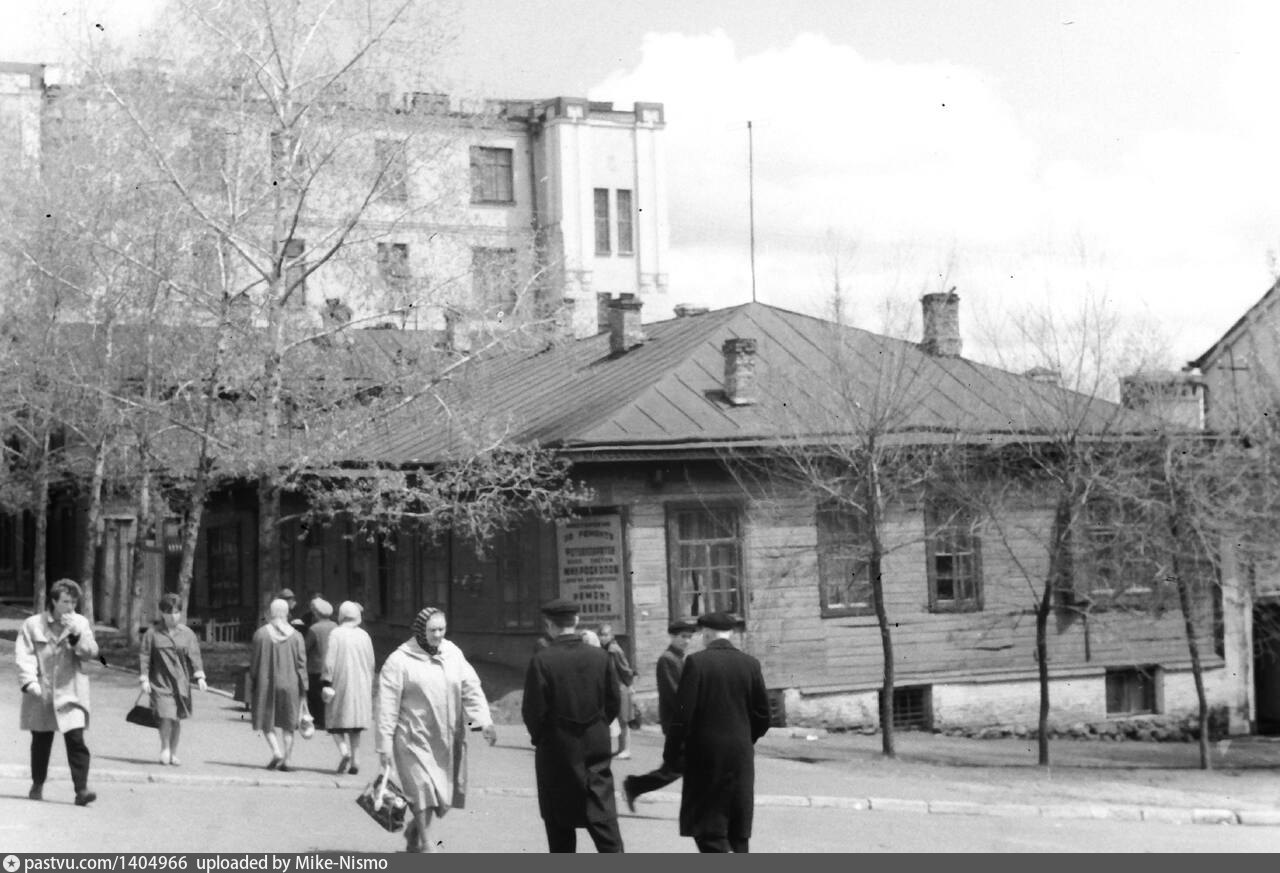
(1019, 151)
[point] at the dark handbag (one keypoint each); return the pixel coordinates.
(385, 802)
(142, 715)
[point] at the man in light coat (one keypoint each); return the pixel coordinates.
(50, 652)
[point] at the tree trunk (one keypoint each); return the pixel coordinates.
(875, 514)
(191, 538)
(93, 529)
(40, 561)
(268, 540)
(145, 522)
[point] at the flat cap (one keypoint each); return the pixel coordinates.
(682, 626)
(560, 606)
(721, 621)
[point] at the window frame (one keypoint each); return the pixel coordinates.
(948, 523)
(484, 285)
(849, 565)
(393, 163)
(392, 255)
(600, 213)
(624, 220)
(679, 593)
(1099, 554)
(1129, 683)
(492, 175)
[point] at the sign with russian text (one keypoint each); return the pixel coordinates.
(590, 551)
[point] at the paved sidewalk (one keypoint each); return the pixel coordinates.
(794, 768)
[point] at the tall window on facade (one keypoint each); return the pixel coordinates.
(1111, 560)
(704, 560)
(294, 272)
(626, 230)
(393, 266)
(495, 279)
(602, 221)
(286, 153)
(491, 175)
(843, 571)
(393, 163)
(954, 557)
(223, 563)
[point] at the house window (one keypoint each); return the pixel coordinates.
(912, 707)
(393, 164)
(602, 221)
(704, 560)
(294, 271)
(626, 244)
(491, 175)
(954, 557)
(1131, 691)
(393, 265)
(286, 154)
(1112, 563)
(494, 279)
(223, 564)
(843, 571)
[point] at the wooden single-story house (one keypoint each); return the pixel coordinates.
(654, 418)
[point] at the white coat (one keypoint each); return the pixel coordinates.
(45, 656)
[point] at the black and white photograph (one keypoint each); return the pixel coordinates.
(481, 426)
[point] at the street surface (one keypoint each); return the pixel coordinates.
(174, 818)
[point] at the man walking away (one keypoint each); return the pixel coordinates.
(723, 709)
(570, 696)
(670, 665)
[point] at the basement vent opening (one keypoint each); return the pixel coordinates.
(913, 708)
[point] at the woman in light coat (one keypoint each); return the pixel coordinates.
(427, 692)
(347, 685)
(50, 652)
(278, 683)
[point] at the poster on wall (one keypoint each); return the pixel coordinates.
(590, 552)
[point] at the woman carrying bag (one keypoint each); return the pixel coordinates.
(168, 661)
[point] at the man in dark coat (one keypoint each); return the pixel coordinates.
(571, 694)
(723, 708)
(670, 665)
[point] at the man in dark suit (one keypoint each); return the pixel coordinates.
(670, 665)
(571, 694)
(722, 709)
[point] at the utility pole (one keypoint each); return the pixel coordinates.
(751, 205)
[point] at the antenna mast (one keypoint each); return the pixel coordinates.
(751, 205)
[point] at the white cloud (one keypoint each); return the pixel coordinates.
(935, 178)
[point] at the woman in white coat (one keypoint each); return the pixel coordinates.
(50, 652)
(347, 685)
(427, 692)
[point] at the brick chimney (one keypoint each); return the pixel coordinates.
(941, 324)
(740, 371)
(625, 331)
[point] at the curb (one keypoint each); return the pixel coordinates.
(1114, 812)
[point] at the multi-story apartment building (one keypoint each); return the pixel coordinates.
(462, 206)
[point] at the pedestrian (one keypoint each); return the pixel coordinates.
(427, 692)
(168, 662)
(50, 652)
(670, 665)
(722, 709)
(278, 683)
(286, 594)
(570, 696)
(310, 617)
(316, 638)
(626, 676)
(347, 685)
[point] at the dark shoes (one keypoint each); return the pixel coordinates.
(284, 768)
(629, 794)
(343, 765)
(353, 769)
(36, 792)
(274, 763)
(84, 798)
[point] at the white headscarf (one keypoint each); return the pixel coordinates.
(349, 612)
(278, 619)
